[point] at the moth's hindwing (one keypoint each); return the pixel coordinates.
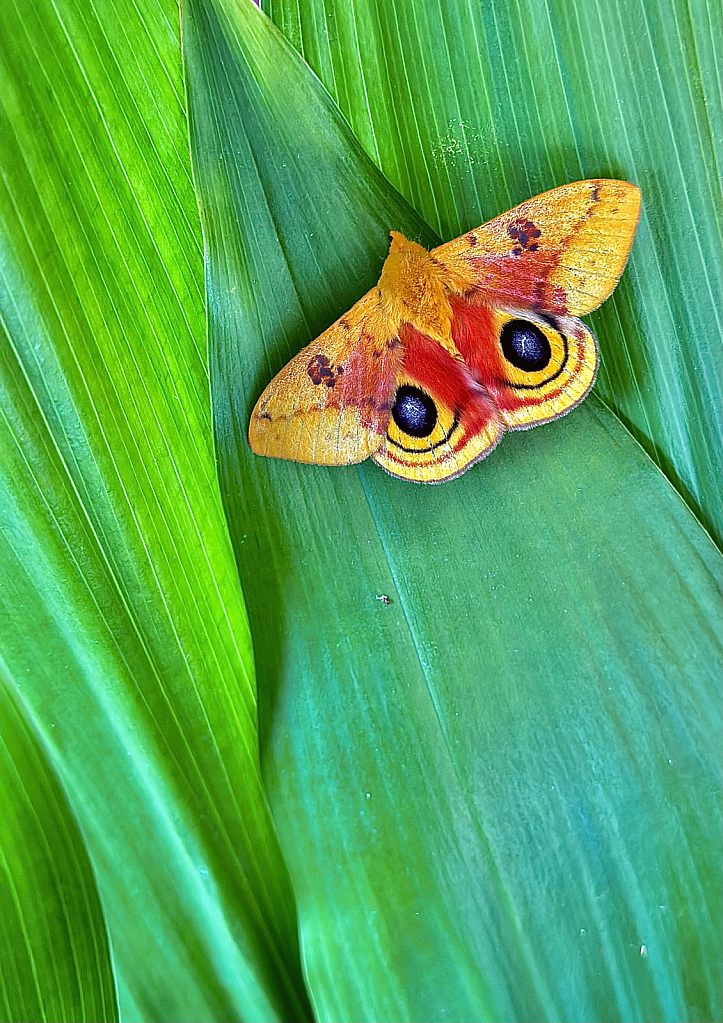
(442, 420)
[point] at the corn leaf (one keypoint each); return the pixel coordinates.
(496, 788)
(122, 625)
(55, 962)
(470, 108)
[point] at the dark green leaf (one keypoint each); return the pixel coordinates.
(470, 108)
(497, 793)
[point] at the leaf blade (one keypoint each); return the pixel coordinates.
(56, 960)
(411, 892)
(494, 105)
(140, 670)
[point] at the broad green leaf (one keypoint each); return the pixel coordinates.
(498, 792)
(470, 108)
(55, 962)
(122, 625)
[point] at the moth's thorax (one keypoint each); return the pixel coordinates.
(413, 291)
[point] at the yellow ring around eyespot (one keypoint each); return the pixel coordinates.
(527, 379)
(443, 429)
(567, 389)
(441, 464)
(432, 459)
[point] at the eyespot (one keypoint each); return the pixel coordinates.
(525, 346)
(414, 412)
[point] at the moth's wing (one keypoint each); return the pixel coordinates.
(442, 419)
(332, 402)
(518, 283)
(561, 252)
(536, 366)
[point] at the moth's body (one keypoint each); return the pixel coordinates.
(454, 346)
(413, 290)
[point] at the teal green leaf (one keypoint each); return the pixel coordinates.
(122, 625)
(498, 793)
(470, 108)
(55, 962)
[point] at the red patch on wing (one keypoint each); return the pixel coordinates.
(474, 333)
(367, 383)
(521, 279)
(447, 380)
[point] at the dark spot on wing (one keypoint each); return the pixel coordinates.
(523, 232)
(344, 324)
(472, 239)
(321, 370)
(525, 346)
(414, 411)
(596, 192)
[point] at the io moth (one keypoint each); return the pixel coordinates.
(455, 346)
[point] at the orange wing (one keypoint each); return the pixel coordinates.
(331, 404)
(426, 371)
(561, 252)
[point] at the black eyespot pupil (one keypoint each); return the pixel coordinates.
(525, 345)
(414, 412)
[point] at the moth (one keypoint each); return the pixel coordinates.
(455, 346)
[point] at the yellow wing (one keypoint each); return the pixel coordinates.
(331, 404)
(561, 252)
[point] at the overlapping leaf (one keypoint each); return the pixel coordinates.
(55, 961)
(122, 625)
(470, 108)
(497, 793)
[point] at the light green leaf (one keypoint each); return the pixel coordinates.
(470, 108)
(497, 793)
(55, 961)
(122, 624)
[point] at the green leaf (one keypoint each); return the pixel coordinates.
(122, 624)
(470, 108)
(55, 962)
(497, 793)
